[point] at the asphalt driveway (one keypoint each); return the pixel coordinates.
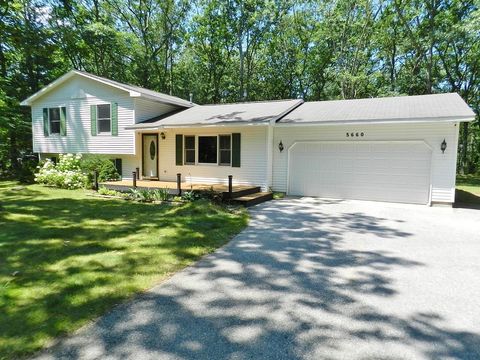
(311, 279)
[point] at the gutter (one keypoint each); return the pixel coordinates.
(447, 119)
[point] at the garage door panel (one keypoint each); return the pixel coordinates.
(384, 171)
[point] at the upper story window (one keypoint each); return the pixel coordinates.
(189, 150)
(104, 118)
(54, 120)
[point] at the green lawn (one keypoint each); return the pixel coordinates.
(468, 189)
(67, 257)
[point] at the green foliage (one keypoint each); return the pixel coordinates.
(68, 257)
(149, 195)
(66, 174)
(224, 51)
(211, 195)
(102, 190)
(190, 196)
(278, 195)
(105, 168)
(161, 194)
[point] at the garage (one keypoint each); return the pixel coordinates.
(395, 171)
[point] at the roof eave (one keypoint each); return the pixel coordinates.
(172, 126)
(28, 101)
(451, 119)
(165, 101)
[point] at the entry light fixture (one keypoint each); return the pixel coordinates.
(443, 146)
(162, 135)
(280, 146)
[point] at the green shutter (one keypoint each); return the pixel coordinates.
(236, 150)
(114, 109)
(93, 119)
(179, 149)
(46, 126)
(63, 121)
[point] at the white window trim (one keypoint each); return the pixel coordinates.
(219, 150)
(197, 162)
(50, 133)
(185, 150)
(198, 150)
(104, 133)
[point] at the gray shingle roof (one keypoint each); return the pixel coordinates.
(132, 89)
(153, 95)
(238, 113)
(388, 109)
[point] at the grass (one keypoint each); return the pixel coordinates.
(468, 189)
(66, 257)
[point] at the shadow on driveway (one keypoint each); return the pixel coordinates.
(308, 279)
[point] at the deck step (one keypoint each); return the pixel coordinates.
(243, 191)
(253, 199)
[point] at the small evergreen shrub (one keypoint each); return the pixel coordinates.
(105, 168)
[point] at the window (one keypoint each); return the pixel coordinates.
(189, 150)
(104, 118)
(225, 149)
(54, 117)
(207, 149)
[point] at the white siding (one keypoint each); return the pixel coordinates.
(145, 110)
(77, 95)
(443, 165)
(253, 169)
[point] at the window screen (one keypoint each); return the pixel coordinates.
(225, 149)
(104, 119)
(54, 116)
(207, 149)
(190, 150)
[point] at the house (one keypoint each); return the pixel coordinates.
(398, 149)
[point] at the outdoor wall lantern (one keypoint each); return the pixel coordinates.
(443, 146)
(280, 146)
(162, 135)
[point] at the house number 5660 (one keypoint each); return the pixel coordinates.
(355, 134)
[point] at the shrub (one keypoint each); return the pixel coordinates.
(142, 195)
(190, 196)
(105, 168)
(161, 194)
(67, 174)
(109, 192)
(211, 195)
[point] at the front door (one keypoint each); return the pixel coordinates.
(150, 156)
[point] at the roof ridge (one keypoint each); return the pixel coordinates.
(251, 102)
(385, 97)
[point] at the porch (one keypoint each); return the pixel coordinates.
(246, 195)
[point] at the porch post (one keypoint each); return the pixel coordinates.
(95, 180)
(179, 184)
(134, 178)
(230, 187)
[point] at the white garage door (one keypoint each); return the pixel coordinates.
(375, 170)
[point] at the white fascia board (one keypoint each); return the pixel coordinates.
(28, 101)
(65, 77)
(383, 121)
(158, 127)
(166, 101)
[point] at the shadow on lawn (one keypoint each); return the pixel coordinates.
(284, 289)
(62, 261)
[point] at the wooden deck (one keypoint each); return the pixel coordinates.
(186, 186)
(246, 195)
